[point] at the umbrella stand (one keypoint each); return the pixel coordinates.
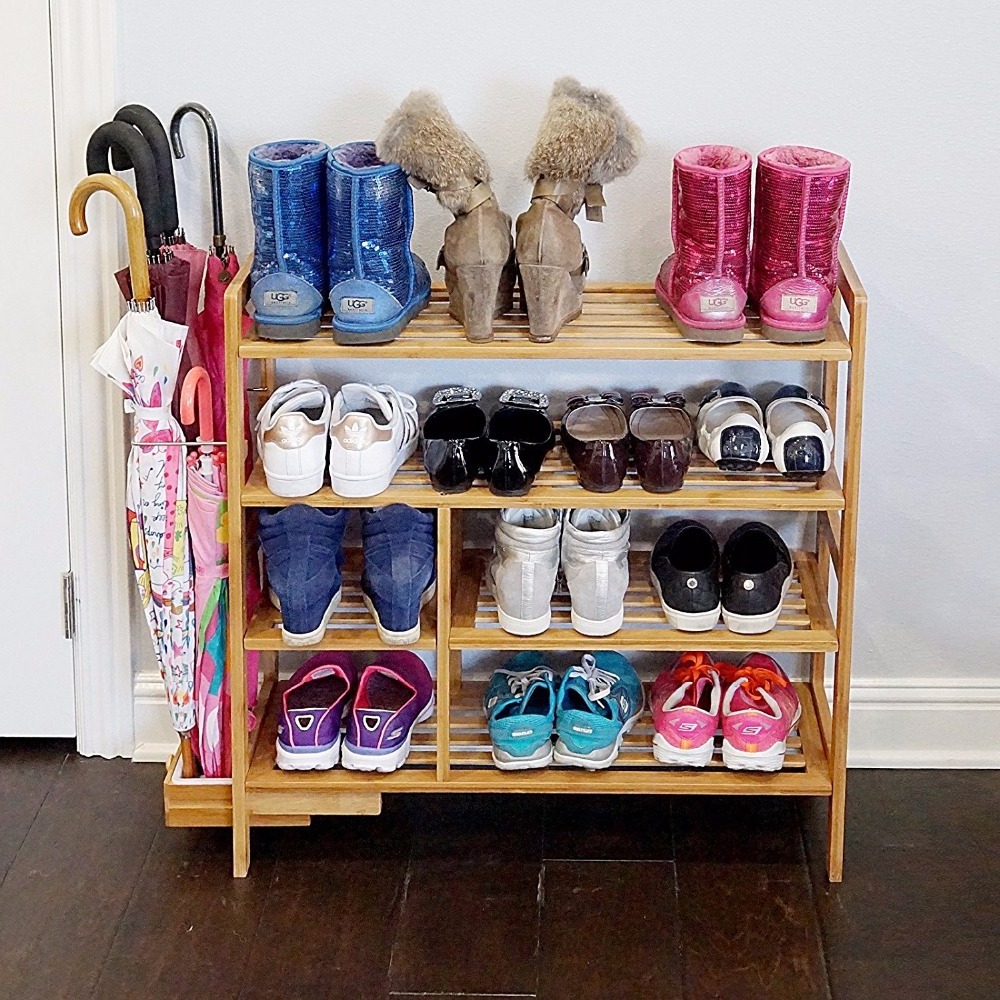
(162, 557)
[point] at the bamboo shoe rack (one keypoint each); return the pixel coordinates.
(451, 750)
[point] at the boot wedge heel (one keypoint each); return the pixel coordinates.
(550, 298)
(475, 298)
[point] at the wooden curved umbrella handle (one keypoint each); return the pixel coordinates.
(134, 225)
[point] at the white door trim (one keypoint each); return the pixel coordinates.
(84, 94)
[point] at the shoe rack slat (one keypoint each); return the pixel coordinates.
(619, 321)
(450, 752)
(705, 488)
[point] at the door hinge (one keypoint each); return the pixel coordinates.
(69, 605)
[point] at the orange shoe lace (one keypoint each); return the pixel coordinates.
(693, 666)
(758, 679)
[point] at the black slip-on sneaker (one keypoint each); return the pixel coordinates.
(455, 443)
(756, 573)
(684, 570)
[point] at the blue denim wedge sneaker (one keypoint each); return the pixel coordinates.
(303, 556)
(520, 707)
(398, 577)
(377, 285)
(599, 701)
(288, 201)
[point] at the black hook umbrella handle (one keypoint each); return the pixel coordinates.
(119, 136)
(152, 131)
(214, 173)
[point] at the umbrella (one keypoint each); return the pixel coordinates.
(169, 275)
(207, 504)
(141, 357)
(221, 269)
(153, 132)
(209, 330)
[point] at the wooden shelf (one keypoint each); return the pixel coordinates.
(804, 625)
(705, 488)
(350, 627)
(806, 770)
(619, 321)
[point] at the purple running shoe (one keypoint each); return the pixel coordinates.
(311, 709)
(394, 694)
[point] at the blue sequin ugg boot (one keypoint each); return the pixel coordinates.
(288, 199)
(377, 285)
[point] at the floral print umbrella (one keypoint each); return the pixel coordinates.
(142, 358)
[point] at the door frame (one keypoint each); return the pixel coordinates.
(84, 59)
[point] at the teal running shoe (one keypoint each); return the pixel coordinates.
(520, 706)
(599, 701)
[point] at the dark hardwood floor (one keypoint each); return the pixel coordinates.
(450, 896)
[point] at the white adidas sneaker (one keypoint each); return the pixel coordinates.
(292, 431)
(373, 431)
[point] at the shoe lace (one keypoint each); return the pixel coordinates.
(520, 680)
(599, 682)
(691, 667)
(758, 679)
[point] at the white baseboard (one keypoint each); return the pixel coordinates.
(936, 722)
(895, 722)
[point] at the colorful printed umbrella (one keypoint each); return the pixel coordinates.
(141, 357)
(207, 504)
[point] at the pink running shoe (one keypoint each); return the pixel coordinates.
(759, 709)
(685, 702)
(703, 283)
(800, 201)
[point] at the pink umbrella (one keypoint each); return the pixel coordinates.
(207, 513)
(209, 328)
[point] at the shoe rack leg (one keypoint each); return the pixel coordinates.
(445, 565)
(856, 300)
(237, 571)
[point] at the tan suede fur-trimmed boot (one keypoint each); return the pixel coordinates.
(478, 253)
(585, 140)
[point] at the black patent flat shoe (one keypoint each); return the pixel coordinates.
(520, 435)
(455, 445)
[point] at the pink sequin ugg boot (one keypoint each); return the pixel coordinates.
(702, 284)
(799, 213)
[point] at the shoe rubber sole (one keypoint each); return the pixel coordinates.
(599, 759)
(606, 626)
(313, 760)
(667, 753)
(779, 336)
(686, 621)
(408, 636)
(316, 635)
(542, 757)
(304, 329)
(524, 626)
(756, 624)
(772, 759)
(383, 763)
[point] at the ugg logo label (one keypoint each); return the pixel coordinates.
(718, 303)
(280, 298)
(356, 305)
(799, 303)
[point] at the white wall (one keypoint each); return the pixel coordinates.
(906, 90)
